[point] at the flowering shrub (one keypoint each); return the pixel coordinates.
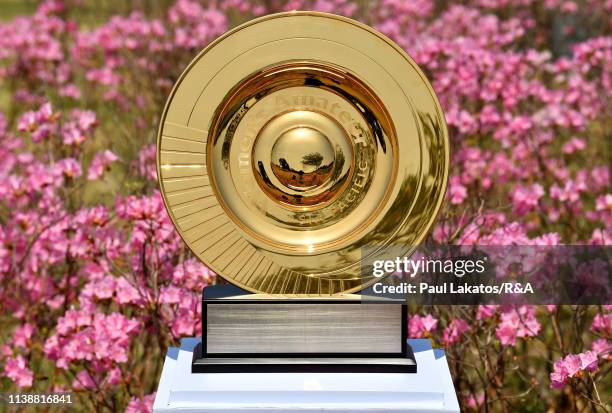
(96, 284)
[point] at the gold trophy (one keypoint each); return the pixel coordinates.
(287, 148)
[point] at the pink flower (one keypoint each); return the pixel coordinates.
(574, 145)
(588, 360)
(71, 91)
(83, 380)
(113, 377)
(170, 295)
(456, 192)
(30, 121)
(452, 333)
(104, 76)
(5, 351)
(572, 365)
(474, 401)
(100, 162)
(103, 288)
(525, 198)
(73, 319)
(557, 380)
(569, 193)
(183, 325)
(429, 323)
(486, 311)
(506, 334)
(69, 167)
(71, 135)
(601, 237)
(102, 338)
(421, 326)
(16, 369)
(85, 119)
(517, 323)
(193, 274)
(27, 121)
(144, 405)
(602, 323)
(600, 177)
(602, 347)
(22, 335)
(147, 163)
(604, 203)
(126, 293)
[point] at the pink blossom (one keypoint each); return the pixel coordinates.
(516, 323)
(147, 163)
(421, 326)
(71, 91)
(72, 320)
(457, 192)
(6, 351)
(144, 405)
(569, 193)
(16, 369)
(474, 401)
(602, 347)
(83, 380)
(31, 121)
(600, 177)
(170, 295)
(103, 76)
(183, 324)
(601, 237)
(486, 311)
(602, 323)
(103, 288)
(604, 203)
(193, 274)
(452, 333)
(572, 365)
(100, 162)
(574, 145)
(85, 119)
(126, 293)
(22, 335)
(525, 198)
(588, 360)
(558, 377)
(83, 336)
(69, 167)
(113, 377)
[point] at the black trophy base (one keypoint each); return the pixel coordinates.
(242, 364)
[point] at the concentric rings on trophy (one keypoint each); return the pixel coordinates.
(269, 152)
(291, 143)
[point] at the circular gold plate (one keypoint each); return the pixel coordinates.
(293, 144)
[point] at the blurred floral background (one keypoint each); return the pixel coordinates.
(95, 283)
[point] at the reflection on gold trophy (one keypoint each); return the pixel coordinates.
(293, 144)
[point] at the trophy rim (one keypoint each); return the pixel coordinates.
(442, 134)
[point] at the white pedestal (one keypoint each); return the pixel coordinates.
(429, 390)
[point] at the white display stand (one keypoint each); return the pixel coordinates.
(430, 390)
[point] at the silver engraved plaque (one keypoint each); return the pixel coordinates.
(303, 328)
